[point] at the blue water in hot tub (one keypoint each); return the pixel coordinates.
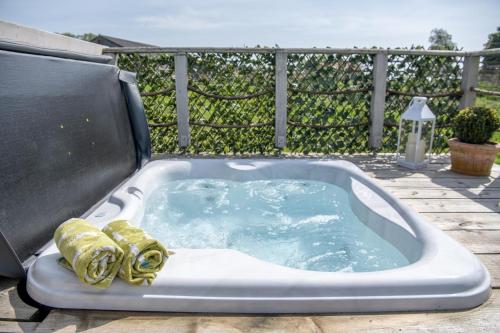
(296, 223)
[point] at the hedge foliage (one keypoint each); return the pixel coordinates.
(417, 75)
(232, 100)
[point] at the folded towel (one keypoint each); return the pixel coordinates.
(89, 252)
(143, 255)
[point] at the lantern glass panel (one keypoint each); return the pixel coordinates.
(415, 149)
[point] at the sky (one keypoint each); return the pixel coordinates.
(287, 23)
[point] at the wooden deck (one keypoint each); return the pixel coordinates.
(466, 208)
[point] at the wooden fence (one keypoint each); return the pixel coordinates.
(468, 62)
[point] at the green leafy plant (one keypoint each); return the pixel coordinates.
(475, 124)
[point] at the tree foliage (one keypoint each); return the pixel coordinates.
(88, 36)
(440, 39)
(492, 43)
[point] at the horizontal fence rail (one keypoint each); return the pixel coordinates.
(272, 100)
(173, 50)
(486, 92)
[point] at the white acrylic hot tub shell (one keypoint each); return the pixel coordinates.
(442, 275)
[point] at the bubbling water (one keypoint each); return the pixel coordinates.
(296, 223)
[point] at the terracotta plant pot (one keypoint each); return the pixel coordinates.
(471, 159)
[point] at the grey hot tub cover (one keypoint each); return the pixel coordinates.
(72, 128)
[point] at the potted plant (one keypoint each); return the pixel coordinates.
(471, 152)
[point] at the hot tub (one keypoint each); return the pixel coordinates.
(274, 236)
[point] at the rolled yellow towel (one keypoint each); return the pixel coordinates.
(143, 255)
(90, 253)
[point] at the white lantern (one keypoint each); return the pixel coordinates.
(417, 152)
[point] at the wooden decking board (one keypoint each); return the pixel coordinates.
(485, 318)
(461, 221)
(492, 263)
(454, 205)
(11, 306)
(440, 193)
(478, 241)
(451, 183)
(17, 326)
(466, 208)
(72, 321)
(440, 171)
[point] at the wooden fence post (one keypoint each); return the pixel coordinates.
(377, 104)
(181, 98)
(114, 60)
(469, 81)
(281, 98)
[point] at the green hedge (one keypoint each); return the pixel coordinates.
(328, 100)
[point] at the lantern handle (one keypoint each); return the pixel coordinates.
(399, 138)
(432, 139)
